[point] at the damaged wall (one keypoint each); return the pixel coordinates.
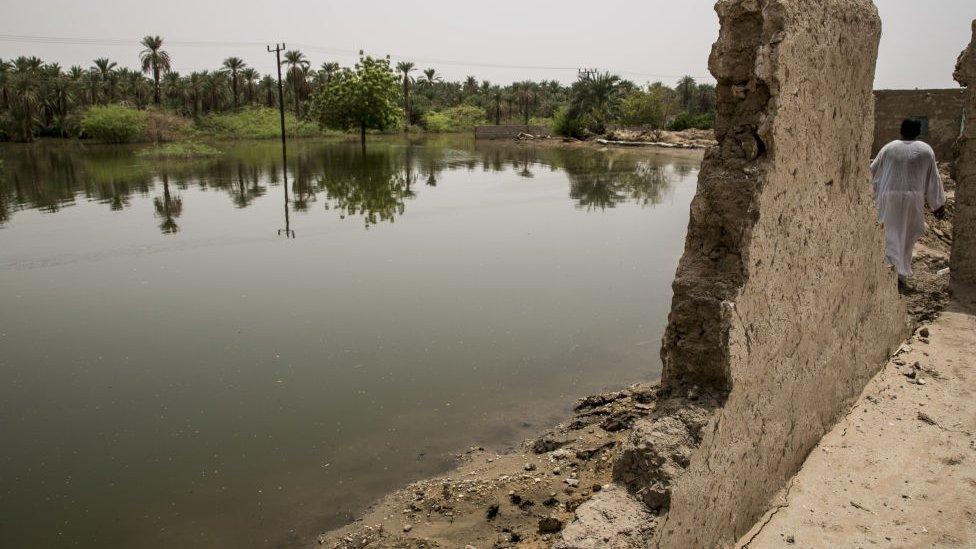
(784, 306)
(941, 109)
(783, 297)
(963, 261)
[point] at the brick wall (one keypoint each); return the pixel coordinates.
(943, 109)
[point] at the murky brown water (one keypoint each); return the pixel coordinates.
(178, 372)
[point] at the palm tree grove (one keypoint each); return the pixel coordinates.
(111, 102)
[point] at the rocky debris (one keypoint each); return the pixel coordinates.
(550, 525)
(492, 497)
(637, 137)
(548, 443)
(659, 449)
(611, 520)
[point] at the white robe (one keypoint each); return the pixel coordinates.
(906, 176)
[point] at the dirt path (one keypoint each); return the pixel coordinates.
(900, 469)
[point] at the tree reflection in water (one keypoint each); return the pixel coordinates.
(375, 186)
(168, 207)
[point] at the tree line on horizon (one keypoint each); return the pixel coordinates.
(39, 98)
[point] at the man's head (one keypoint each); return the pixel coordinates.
(910, 129)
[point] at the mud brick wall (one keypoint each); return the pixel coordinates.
(942, 108)
(783, 299)
(508, 131)
(963, 261)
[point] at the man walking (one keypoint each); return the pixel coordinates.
(906, 176)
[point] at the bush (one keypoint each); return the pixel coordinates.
(645, 108)
(162, 125)
(113, 123)
(567, 125)
(687, 120)
(454, 119)
(255, 123)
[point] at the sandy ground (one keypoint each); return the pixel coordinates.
(900, 469)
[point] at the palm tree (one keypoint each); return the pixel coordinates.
(470, 85)
(154, 59)
(686, 89)
(405, 68)
(496, 96)
(24, 109)
(134, 87)
(296, 61)
(234, 65)
(327, 70)
(5, 68)
(250, 79)
(430, 76)
(214, 89)
(268, 87)
(194, 86)
(105, 70)
(596, 96)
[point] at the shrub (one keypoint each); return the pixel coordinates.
(254, 123)
(646, 108)
(454, 119)
(113, 123)
(164, 125)
(563, 123)
(687, 120)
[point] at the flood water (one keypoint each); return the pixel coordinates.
(188, 360)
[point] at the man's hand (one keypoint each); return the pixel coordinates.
(940, 213)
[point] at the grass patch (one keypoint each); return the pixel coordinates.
(255, 123)
(183, 149)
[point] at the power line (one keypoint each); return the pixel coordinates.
(60, 40)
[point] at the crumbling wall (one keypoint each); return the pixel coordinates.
(783, 297)
(963, 261)
(784, 306)
(941, 110)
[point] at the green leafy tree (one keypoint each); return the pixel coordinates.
(154, 59)
(647, 108)
(364, 97)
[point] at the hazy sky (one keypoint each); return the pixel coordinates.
(501, 40)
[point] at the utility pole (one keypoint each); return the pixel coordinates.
(284, 144)
(587, 72)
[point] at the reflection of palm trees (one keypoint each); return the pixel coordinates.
(376, 187)
(168, 207)
(304, 191)
(246, 189)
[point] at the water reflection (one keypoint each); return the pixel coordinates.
(168, 207)
(374, 187)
